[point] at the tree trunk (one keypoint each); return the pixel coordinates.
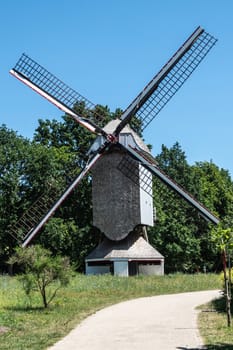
(227, 294)
(43, 293)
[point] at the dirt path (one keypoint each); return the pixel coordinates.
(165, 322)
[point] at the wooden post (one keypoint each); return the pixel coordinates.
(226, 284)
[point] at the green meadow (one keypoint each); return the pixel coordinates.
(26, 325)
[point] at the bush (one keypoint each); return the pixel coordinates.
(41, 270)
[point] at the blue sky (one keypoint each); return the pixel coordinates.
(108, 50)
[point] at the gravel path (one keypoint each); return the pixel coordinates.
(165, 322)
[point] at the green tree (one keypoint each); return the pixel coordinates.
(175, 230)
(42, 272)
(66, 237)
(182, 236)
(13, 152)
(214, 188)
(223, 238)
(27, 170)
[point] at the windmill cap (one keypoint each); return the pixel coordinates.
(111, 126)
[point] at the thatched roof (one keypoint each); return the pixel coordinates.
(132, 247)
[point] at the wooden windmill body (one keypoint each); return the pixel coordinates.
(122, 208)
(120, 202)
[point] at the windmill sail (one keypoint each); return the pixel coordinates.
(33, 220)
(169, 79)
(155, 170)
(34, 214)
(54, 90)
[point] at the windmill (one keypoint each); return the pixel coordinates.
(120, 162)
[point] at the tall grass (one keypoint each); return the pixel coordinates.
(32, 327)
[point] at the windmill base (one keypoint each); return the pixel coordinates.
(128, 257)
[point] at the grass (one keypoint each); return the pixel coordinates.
(32, 327)
(213, 326)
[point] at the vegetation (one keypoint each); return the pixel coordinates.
(56, 155)
(223, 238)
(180, 234)
(213, 326)
(40, 271)
(35, 328)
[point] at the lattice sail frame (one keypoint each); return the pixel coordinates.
(175, 78)
(156, 171)
(169, 79)
(50, 83)
(55, 91)
(139, 175)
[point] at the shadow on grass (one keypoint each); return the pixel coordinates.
(220, 347)
(220, 305)
(25, 308)
(210, 347)
(185, 348)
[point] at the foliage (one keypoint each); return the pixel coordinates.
(56, 155)
(67, 238)
(215, 188)
(223, 237)
(34, 328)
(13, 152)
(41, 270)
(180, 234)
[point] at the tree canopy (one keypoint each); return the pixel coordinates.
(180, 233)
(57, 152)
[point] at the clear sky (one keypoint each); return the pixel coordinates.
(108, 50)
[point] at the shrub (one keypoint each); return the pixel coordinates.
(41, 270)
